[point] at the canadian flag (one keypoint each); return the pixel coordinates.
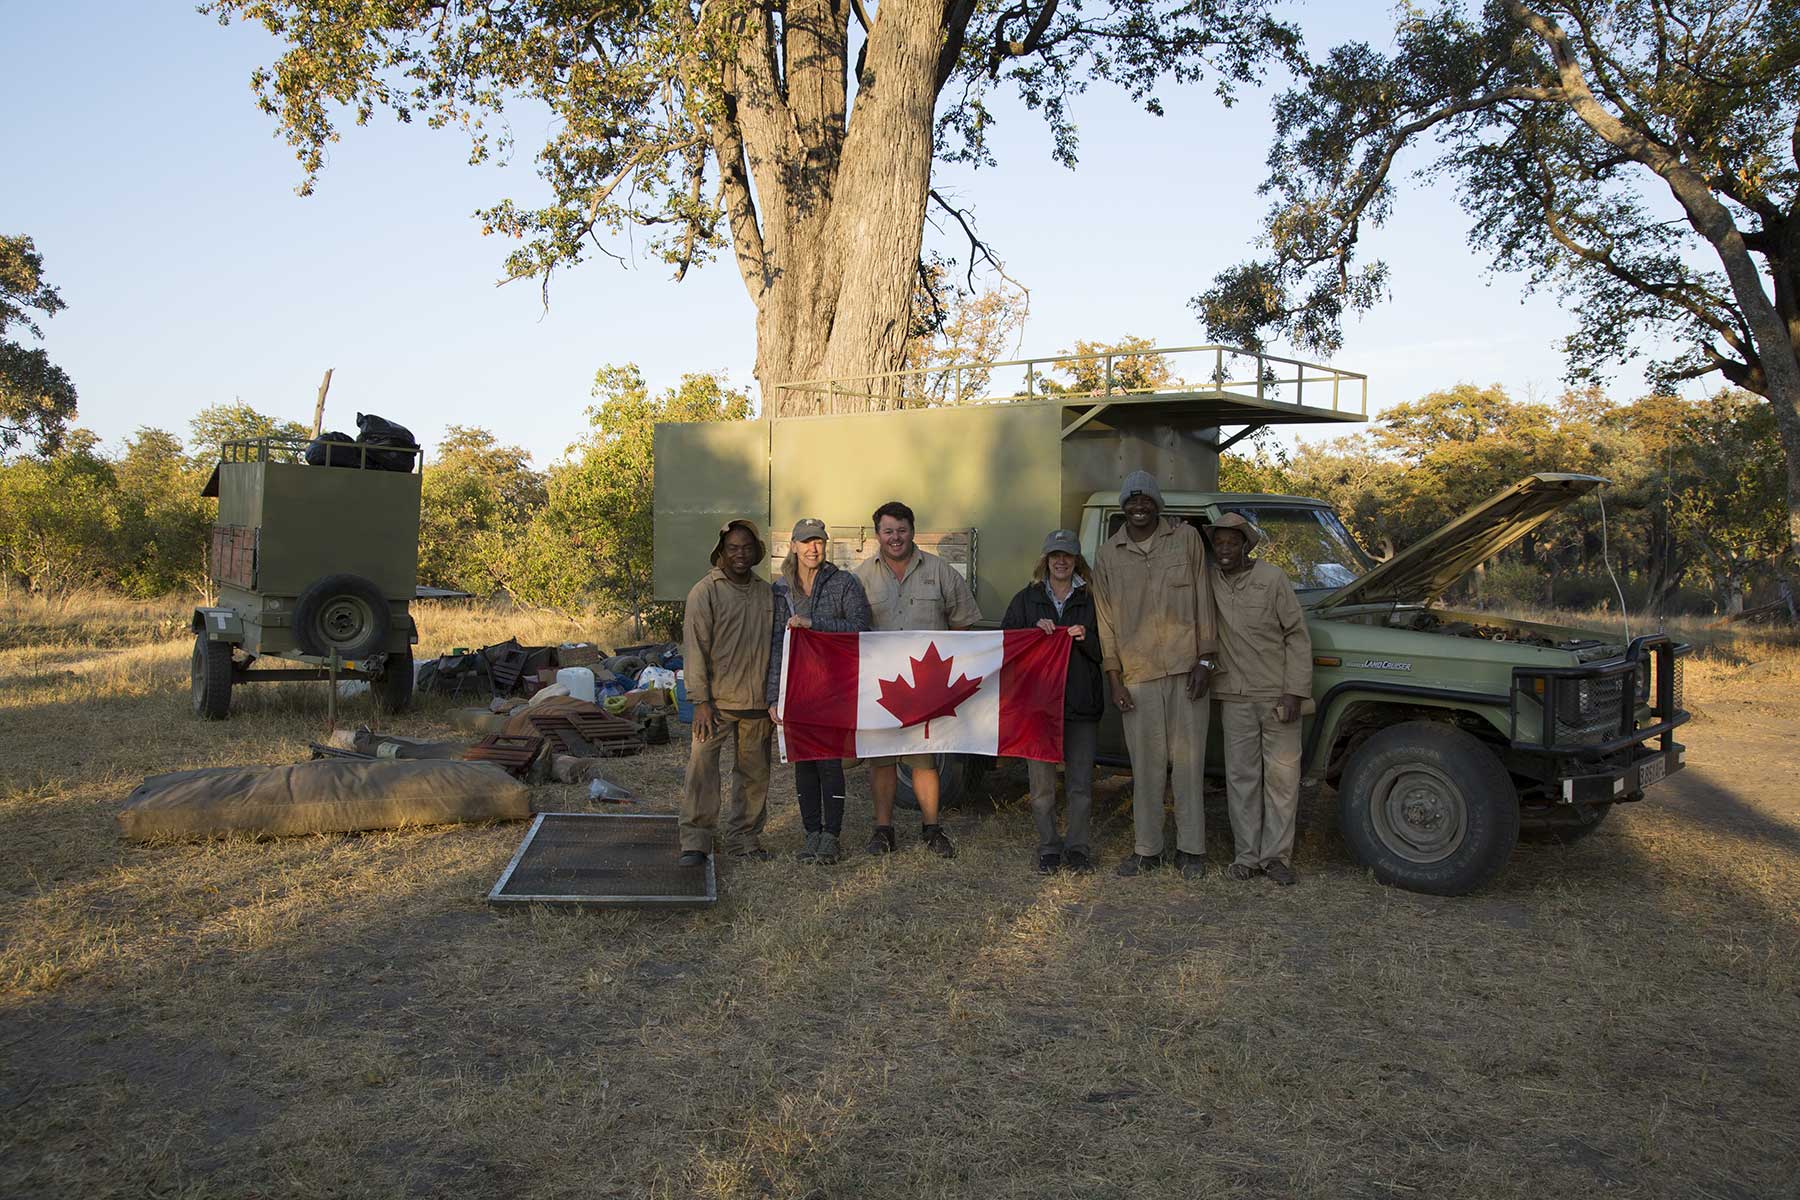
(862, 695)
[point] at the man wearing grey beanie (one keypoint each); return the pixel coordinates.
(1159, 639)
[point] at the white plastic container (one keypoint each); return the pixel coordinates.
(579, 681)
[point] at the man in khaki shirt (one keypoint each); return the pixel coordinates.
(910, 589)
(1266, 658)
(728, 630)
(1157, 631)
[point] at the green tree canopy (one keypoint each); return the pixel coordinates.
(478, 499)
(37, 400)
(710, 123)
(1640, 157)
(217, 424)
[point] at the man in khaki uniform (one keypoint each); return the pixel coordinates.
(1157, 632)
(909, 588)
(1266, 655)
(729, 630)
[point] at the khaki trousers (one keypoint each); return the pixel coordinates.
(749, 808)
(1080, 738)
(1262, 780)
(1166, 738)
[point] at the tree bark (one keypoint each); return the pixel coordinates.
(827, 212)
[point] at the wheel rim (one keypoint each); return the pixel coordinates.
(1419, 813)
(344, 620)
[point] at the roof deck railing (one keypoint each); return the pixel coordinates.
(280, 449)
(1148, 372)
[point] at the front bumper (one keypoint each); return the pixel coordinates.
(1617, 784)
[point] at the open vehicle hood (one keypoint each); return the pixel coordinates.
(1420, 573)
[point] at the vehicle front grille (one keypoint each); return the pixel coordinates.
(1589, 711)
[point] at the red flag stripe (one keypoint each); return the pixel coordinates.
(819, 715)
(1033, 674)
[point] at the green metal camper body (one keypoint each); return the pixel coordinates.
(284, 530)
(1007, 468)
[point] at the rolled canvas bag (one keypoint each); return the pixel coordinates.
(324, 796)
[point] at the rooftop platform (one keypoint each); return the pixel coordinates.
(1188, 385)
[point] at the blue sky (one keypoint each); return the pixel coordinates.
(163, 203)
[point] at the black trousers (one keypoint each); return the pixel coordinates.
(821, 788)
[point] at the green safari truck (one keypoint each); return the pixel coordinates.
(1446, 734)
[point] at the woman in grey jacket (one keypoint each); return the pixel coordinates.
(822, 597)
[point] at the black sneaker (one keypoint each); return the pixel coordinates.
(882, 842)
(753, 854)
(1281, 873)
(1240, 873)
(1193, 866)
(936, 840)
(1138, 864)
(1047, 863)
(1078, 862)
(691, 858)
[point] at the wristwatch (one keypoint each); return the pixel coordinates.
(1209, 664)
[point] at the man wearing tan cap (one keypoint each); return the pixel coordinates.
(730, 633)
(1266, 682)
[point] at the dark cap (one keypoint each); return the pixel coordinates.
(1062, 541)
(808, 528)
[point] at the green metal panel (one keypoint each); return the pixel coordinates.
(995, 469)
(319, 521)
(707, 472)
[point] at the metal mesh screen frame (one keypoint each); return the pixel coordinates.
(534, 846)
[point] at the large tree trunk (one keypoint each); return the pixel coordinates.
(827, 212)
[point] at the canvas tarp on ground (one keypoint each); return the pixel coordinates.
(325, 796)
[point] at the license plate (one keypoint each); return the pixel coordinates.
(1652, 770)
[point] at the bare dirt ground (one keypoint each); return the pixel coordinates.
(343, 1016)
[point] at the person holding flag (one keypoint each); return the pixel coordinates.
(1058, 598)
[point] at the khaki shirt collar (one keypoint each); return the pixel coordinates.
(1164, 525)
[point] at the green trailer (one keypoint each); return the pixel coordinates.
(1448, 735)
(316, 565)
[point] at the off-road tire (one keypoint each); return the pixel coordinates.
(959, 777)
(1563, 826)
(1429, 808)
(209, 677)
(345, 613)
(394, 688)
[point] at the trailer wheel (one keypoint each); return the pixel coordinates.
(394, 688)
(346, 614)
(209, 678)
(1429, 809)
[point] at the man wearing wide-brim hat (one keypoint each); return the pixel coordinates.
(1266, 683)
(729, 636)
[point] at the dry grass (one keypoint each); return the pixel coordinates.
(343, 1016)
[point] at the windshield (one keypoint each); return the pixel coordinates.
(1310, 544)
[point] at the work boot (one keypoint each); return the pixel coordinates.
(882, 842)
(1138, 864)
(691, 858)
(1193, 866)
(810, 851)
(829, 850)
(1281, 873)
(1047, 863)
(1239, 873)
(936, 840)
(1078, 862)
(752, 852)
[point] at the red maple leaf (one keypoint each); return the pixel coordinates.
(931, 694)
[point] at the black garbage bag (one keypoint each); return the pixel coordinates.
(379, 431)
(332, 450)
